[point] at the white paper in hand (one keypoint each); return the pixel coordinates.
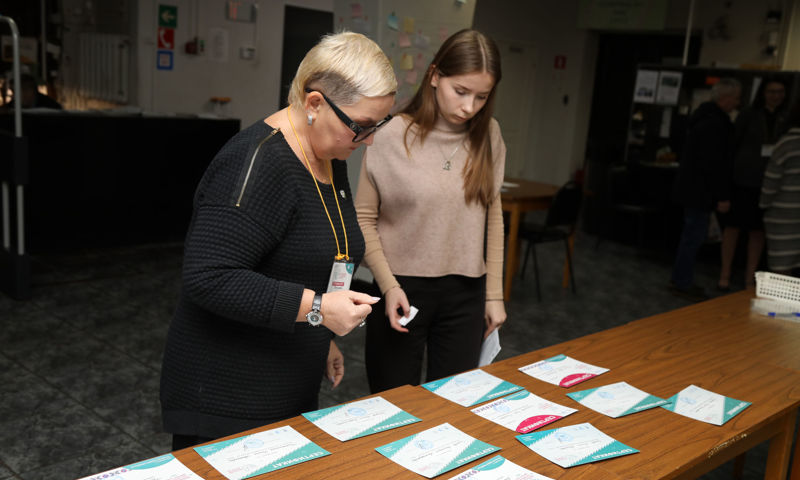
(490, 348)
(411, 314)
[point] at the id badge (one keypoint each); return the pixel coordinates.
(341, 276)
(766, 150)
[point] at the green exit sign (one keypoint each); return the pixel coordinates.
(168, 16)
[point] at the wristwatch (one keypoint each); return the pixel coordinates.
(314, 317)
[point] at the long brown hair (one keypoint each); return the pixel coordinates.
(466, 51)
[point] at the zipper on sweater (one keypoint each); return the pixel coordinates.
(252, 162)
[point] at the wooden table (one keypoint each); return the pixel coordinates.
(716, 345)
(525, 197)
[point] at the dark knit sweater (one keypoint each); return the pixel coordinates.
(235, 358)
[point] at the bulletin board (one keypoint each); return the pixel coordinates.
(409, 32)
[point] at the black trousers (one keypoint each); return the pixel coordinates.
(450, 323)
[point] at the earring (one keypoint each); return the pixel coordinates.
(310, 119)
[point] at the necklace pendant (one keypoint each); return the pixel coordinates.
(446, 165)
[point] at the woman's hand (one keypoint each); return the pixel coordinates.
(396, 300)
(344, 310)
(495, 315)
(335, 369)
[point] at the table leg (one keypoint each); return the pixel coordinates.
(780, 447)
(511, 250)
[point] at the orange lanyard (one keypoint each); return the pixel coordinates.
(339, 255)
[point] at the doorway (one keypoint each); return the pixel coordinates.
(302, 29)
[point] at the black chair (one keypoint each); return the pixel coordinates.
(562, 217)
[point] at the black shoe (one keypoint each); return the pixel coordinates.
(693, 292)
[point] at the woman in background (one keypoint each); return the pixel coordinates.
(428, 200)
(273, 217)
(756, 131)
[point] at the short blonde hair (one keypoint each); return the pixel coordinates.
(345, 66)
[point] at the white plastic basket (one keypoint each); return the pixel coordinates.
(778, 287)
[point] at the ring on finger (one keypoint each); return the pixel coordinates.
(363, 322)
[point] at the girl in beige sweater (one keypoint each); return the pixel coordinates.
(428, 204)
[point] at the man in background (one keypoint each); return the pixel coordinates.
(703, 181)
(31, 97)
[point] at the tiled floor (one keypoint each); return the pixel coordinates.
(79, 363)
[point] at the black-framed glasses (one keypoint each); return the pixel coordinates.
(361, 133)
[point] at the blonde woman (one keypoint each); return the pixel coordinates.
(272, 240)
(428, 200)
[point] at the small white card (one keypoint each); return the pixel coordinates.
(700, 404)
(360, 418)
(523, 412)
(471, 388)
(562, 370)
(575, 445)
(412, 312)
(489, 348)
(617, 399)
(165, 467)
(436, 450)
(499, 468)
(259, 453)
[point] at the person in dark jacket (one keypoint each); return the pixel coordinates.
(756, 130)
(703, 181)
(272, 239)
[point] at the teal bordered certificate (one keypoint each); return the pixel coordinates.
(436, 450)
(261, 452)
(700, 404)
(471, 388)
(164, 467)
(575, 445)
(361, 418)
(617, 400)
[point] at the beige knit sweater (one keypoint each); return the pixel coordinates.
(413, 214)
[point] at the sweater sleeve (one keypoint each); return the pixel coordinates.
(772, 177)
(367, 207)
(495, 231)
(494, 251)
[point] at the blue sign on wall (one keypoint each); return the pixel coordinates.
(164, 60)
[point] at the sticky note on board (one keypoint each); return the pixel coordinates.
(402, 40)
(420, 62)
(408, 24)
(356, 10)
(393, 22)
(410, 77)
(421, 41)
(443, 34)
(406, 62)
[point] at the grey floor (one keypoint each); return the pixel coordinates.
(79, 363)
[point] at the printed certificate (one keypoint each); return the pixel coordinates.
(498, 468)
(617, 399)
(471, 388)
(523, 411)
(700, 404)
(361, 418)
(575, 445)
(165, 467)
(261, 452)
(436, 450)
(562, 370)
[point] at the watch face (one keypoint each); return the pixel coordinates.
(314, 318)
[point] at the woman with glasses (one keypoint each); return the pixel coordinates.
(429, 206)
(270, 252)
